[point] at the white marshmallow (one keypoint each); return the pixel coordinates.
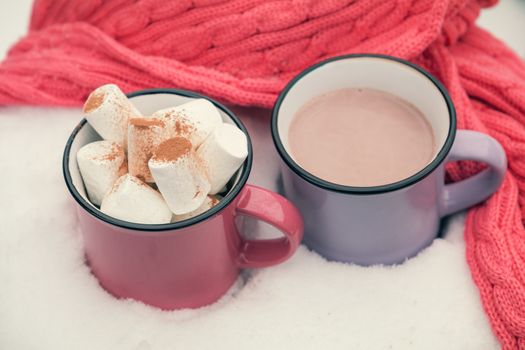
(194, 120)
(132, 200)
(144, 135)
(223, 152)
(179, 175)
(101, 163)
(107, 109)
(209, 203)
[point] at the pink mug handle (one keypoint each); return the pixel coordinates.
(278, 212)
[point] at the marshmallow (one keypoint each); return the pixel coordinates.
(101, 163)
(208, 203)
(194, 120)
(223, 152)
(179, 175)
(132, 200)
(107, 109)
(144, 135)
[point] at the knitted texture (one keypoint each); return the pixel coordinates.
(244, 52)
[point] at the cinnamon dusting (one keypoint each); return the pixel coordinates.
(94, 101)
(145, 122)
(144, 135)
(182, 127)
(123, 170)
(213, 201)
(172, 149)
(116, 152)
(177, 123)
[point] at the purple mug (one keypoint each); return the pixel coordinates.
(389, 223)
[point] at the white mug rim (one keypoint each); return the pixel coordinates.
(317, 181)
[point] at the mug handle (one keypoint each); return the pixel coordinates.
(473, 145)
(278, 212)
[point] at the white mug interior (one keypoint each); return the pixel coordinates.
(147, 104)
(373, 72)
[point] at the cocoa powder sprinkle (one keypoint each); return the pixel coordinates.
(172, 149)
(94, 101)
(181, 127)
(123, 170)
(116, 152)
(214, 201)
(146, 122)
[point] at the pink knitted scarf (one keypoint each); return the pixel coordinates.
(244, 51)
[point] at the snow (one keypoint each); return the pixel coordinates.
(49, 299)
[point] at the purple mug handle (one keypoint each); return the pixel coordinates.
(473, 145)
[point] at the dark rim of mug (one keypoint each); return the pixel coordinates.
(372, 189)
(225, 201)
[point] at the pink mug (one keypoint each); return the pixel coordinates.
(185, 264)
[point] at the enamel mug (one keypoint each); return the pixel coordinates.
(389, 223)
(190, 263)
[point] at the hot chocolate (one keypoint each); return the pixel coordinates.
(361, 137)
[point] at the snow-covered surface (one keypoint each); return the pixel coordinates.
(49, 299)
